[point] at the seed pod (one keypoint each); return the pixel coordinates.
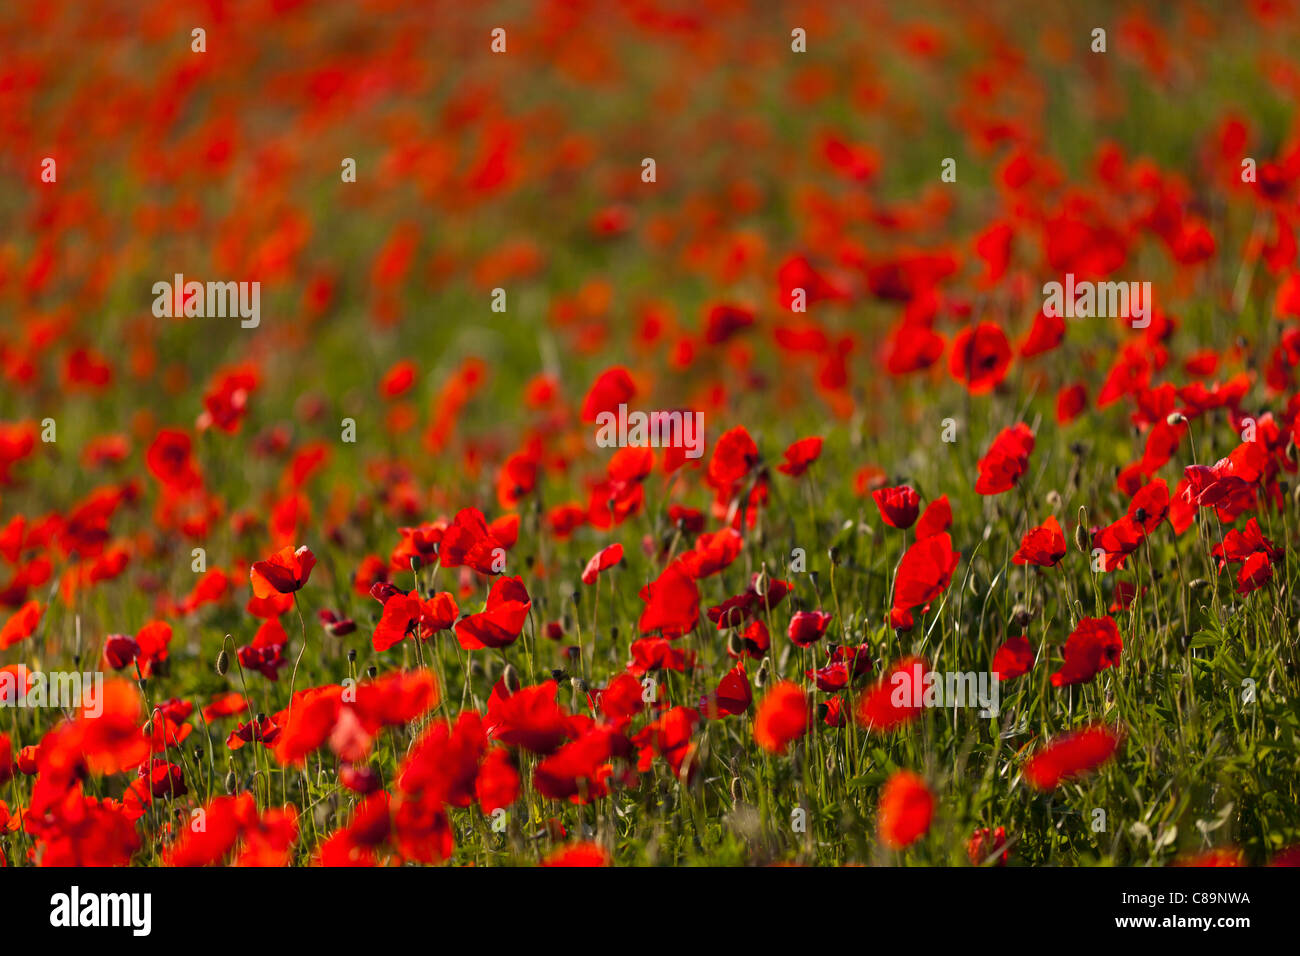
(1020, 616)
(1054, 500)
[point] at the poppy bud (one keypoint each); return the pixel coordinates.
(372, 671)
(1080, 531)
(1199, 584)
(231, 783)
(1290, 450)
(576, 597)
(1054, 500)
(352, 655)
(223, 662)
(760, 583)
(1175, 418)
(416, 563)
(760, 679)
(510, 677)
(559, 675)
(735, 644)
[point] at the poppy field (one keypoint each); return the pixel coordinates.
(649, 433)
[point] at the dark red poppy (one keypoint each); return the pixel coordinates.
(898, 506)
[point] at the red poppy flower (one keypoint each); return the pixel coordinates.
(1070, 403)
(1013, 659)
(898, 506)
(936, 519)
(1092, 647)
(21, 624)
(1005, 461)
(783, 716)
(980, 357)
(407, 614)
(895, 699)
(284, 572)
(578, 854)
(612, 388)
(1071, 756)
(905, 811)
(925, 572)
(808, 627)
(734, 455)
(528, 718)
(602, 559)
(985, 846)
(500, 621)
(1043, 546)
(800, 455)
(844, 665)
(733, 695)
(672, 603)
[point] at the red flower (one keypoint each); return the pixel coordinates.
(898, 506)
(925, 572)
(1043, 546)
(986, 846)
(783, 716)
(1013, 659)
(844, 665)
(733, 695)
(800, 455)
(612, 388)
(578, 854)
(1092, 647)
(672, 602)
(284, 572)
(407, 614)
(905, 811)
(500, 621)
(1006, 460)
(21, 624)
(936, 519)
(980, 357)
(1070, 403)
(1071, 756)
(895, 699)
(602, 559)
(808, 627)
(733, 456)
